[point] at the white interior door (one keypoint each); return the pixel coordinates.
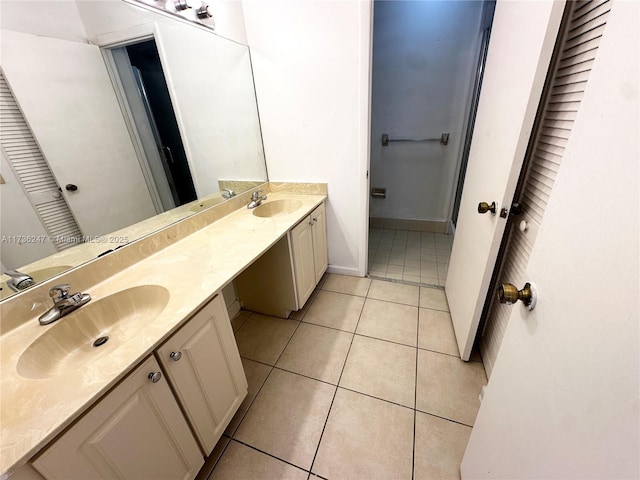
(522, 41)
(66, 95)
(563, 399)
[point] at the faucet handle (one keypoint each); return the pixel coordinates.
(256, 195)
(59, 292)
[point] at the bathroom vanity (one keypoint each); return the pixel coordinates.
(153, 400)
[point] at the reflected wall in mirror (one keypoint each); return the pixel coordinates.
(116, 121)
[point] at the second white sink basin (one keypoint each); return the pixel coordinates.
(277, 207)
(94, 329)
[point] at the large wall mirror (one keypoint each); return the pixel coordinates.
(116, 121)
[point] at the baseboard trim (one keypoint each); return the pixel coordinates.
(353, 272)
(234, 309)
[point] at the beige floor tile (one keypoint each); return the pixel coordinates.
(411, 278)
(429, 280)
(366, 438)
(395, 268)
(299, 315)
(449, 387)
(256, 374)
(439, 447)
(433, 298)
(397, 260)
(213, 458)
(316, 352)
(349, 285)
(382, 369)
(436, 332)
(394, 292)
(335, 310)
(239, 319)
(287, 417)
(240, 462)
(263, 338)
(379, 267)
(389, 321)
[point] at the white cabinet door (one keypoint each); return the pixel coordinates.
(204, 367)
(319, 234)
(520, 49)
(136, 432)
(303, 263)
(562, 401)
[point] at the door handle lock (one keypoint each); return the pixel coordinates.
(484, 207)
(509, 294)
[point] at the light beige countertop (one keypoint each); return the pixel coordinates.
(83, 252)
(193, 269)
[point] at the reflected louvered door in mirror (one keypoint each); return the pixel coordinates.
(574, 56)
(32, 171)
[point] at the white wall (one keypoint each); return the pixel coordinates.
(424, 58)
(103, 16)
(311, 67)
(54, 19)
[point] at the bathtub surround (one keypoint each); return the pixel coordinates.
(424, 60)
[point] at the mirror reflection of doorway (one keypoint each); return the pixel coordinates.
(165, 167)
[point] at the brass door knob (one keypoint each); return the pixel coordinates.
(509, 294)
(484, 207)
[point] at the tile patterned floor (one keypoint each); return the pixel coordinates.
(416, 257)
(364, 382)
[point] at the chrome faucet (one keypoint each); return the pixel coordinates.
(19, 281)
(228, 193)
(63, 303)
(256, 199)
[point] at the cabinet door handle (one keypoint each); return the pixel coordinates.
(310, 222)
(154, 377)
(315, 220)
(175, 356)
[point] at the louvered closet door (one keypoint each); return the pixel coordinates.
(574, 59)
(32, 171)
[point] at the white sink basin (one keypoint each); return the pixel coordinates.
(71, 342)
(276, 208)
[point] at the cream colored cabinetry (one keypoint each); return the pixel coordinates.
(137, 431)
(204, 368)
(309, 253)
(284, 277)
(319, 231)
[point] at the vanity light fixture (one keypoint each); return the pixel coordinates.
(203, 11)
(195, 11)
(180, 5)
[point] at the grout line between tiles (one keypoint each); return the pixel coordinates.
(254, 398)
(444, 418)
(326, 420)
(306, 376)
(219, 457)
(269, 455)
(385, 340)
(374, 397)
(447, 354)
